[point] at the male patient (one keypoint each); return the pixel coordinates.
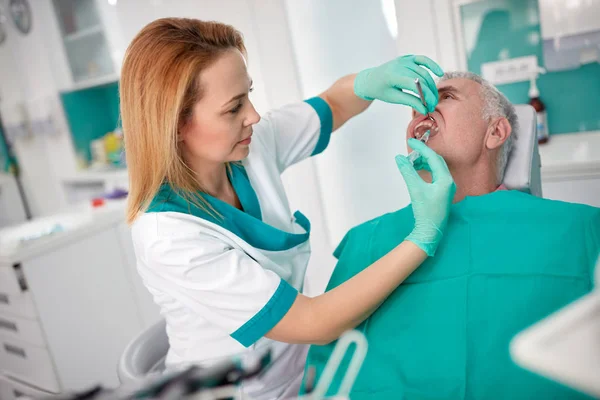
(507, 260)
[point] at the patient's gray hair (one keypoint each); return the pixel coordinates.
(495, 105)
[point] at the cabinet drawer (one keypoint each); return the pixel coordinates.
(17, 328)
(18, 304)
(28, 363)
(14, 390)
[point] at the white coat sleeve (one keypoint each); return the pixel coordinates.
(298, 131)
(223, 285)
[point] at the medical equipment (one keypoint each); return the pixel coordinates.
(422, 97)
(415, 154)
(223, 380)
(565, 346)
(145, 354)
(425, 136)
(523, 171)
(360, 352)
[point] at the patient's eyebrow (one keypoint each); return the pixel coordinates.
(448, 89)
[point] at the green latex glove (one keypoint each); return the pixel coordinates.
(387, 82)
(430, 201)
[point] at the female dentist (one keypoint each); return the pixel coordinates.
(215, 241)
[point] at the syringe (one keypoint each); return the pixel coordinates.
(412, 157)
(425, 137)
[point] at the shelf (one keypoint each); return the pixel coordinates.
(96, 81)
(84, 33)
(96, 176)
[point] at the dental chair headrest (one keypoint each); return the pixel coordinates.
(524, 165)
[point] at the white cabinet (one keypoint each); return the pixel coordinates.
(571, 168)
(584, 190)
(560, 18)
(88, 34)
(11, 389)
(69, 305)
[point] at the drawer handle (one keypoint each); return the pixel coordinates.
(4, 299)
(11, 326)
(20, 277)
(17, 351)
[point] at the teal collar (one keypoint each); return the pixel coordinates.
(246, 224)
(241, 184)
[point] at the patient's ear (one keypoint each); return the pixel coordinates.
(498, 132)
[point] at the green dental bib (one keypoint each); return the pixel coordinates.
(507, 260)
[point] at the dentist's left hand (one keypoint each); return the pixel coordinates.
(387, 82)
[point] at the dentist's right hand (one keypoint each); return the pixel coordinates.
(393, 81)
(430, 201)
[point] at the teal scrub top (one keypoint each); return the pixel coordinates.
(507, 260)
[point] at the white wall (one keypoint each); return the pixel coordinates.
(358, 175)
(282, 86)
(426, 27)
(133, 15)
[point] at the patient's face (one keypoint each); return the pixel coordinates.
(461, 127)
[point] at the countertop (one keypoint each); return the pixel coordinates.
(573, 155)
(78, 224)
(92, 176)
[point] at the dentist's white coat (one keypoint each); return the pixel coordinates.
(221, 289)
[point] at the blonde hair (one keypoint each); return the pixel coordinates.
(158, 89)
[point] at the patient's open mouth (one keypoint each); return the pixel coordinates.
(424, 126)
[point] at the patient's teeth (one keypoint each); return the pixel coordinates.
(426, 122)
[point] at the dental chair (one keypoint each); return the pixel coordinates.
(145, 354)
(524, 165)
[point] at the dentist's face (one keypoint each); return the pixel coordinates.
(461, 128)
(220, 127)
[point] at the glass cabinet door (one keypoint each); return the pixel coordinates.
(86, 47)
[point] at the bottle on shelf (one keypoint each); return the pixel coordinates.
(540, 108)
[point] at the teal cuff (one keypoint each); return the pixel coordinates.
(326, 117)
(268, 316)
